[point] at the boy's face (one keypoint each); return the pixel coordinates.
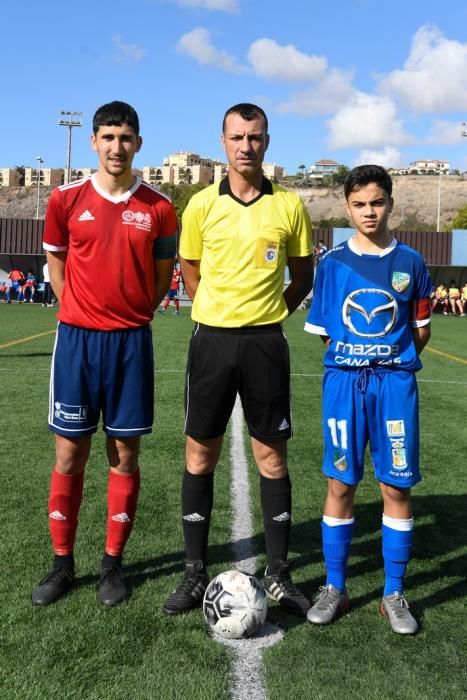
(116, 147)
(369, 208)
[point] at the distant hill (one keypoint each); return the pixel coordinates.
(413, 195)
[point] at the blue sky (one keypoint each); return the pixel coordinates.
(350, 80)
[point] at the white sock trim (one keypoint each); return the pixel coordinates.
(398, 523)
(335, 522)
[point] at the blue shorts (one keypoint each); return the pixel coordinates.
(172, 294)
(376, 407)
(102, 371)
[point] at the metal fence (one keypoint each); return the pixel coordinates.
(24, 237)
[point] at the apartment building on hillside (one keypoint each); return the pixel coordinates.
(9, 177)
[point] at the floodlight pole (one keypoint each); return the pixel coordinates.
(439, 202)
(70, 119)
(39, 161)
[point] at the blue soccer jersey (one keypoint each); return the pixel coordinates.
(368, 305)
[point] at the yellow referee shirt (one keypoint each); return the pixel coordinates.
(243, 251)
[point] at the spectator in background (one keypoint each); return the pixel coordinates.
(30, 284)
(440, 297)
(319, 251)
(47, 293)
(455, 299)
(172, 294)
(464, 298)
(17, 279)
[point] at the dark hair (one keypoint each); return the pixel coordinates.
(365, 174)
(115, 114)
(248, 112)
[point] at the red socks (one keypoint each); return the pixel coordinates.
(64, 503)
(122, 498)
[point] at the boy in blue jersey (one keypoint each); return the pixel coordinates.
(371, 307)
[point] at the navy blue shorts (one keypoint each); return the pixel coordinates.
(376, 407)
(108, 372)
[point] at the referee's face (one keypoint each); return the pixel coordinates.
(245, 143)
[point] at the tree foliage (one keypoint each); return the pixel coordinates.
(460, 219)
(181, 195)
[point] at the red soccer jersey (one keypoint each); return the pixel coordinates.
(175, 279)
(111, 244)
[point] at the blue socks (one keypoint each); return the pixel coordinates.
(397, 546)
(337, 537)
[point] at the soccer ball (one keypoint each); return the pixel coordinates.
(235, 605)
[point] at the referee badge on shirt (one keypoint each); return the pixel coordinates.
(400, 281)
(267, 253)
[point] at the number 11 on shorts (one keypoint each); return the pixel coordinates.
(338, 430)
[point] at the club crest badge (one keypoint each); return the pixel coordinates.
(340, 461)
(399, 458)
(400, 281)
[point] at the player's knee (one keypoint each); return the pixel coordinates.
(340, 491)
(202, 455)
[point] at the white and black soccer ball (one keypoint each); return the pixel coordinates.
(235, 605)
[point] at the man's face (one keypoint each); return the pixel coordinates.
(116, 147)
(369, 208)
(245, 143)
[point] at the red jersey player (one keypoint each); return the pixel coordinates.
(112, 227)
(173, 292)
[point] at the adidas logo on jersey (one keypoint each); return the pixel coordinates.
(284, 425)
(282, 518)
(56, 515)
(120, 518)
(193, 518)
(86, 216)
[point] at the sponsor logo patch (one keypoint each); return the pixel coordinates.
(284, 425)
(138, 219)
(70, 414)
(395, 428)
(369, 313)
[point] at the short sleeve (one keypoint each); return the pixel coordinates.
(56, 232)
(300, 240)
(191, 239)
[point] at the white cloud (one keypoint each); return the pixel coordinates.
(388, 157)
(327, 96)
(222, 5)
(366, 121)
(446, 133)
(273, 61)
(126, 53)
(434, 77)
(197, 44)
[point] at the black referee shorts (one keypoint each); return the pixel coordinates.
(252, 361)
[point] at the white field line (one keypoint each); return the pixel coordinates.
(182, 371)
(247, 665)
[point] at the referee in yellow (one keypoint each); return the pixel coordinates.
(237, 238)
